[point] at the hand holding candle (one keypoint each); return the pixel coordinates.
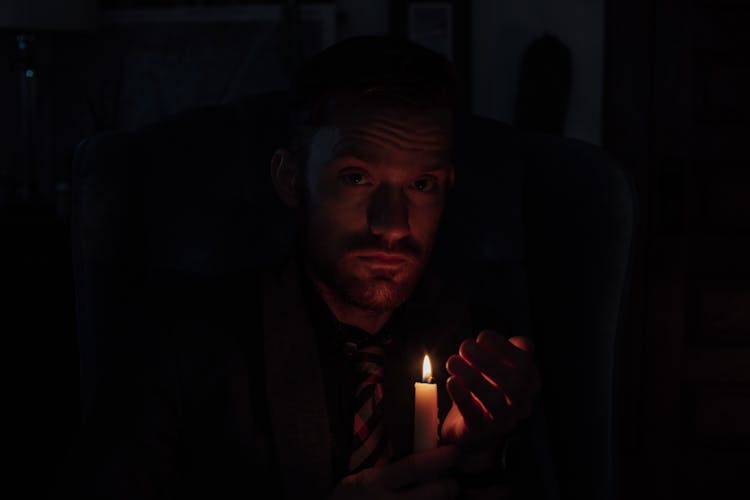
(425, 410)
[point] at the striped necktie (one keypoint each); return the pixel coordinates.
(368, 442)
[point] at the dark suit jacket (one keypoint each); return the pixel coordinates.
(228, 398)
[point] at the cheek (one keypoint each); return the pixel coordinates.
(330, 227)
(339, 210)
(425, 221)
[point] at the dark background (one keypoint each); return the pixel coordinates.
(661, 84)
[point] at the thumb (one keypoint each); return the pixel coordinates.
(523, 343)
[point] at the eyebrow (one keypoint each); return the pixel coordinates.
(432, 167)
(426, 167)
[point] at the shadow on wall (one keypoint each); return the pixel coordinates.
(543, 96)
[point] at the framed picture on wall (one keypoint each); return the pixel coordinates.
(431, 24)
(442, 26)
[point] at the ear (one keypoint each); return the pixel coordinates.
(285, 177)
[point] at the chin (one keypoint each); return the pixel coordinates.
(376, 290)
(379, 296)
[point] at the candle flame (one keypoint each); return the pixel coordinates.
(426, 370)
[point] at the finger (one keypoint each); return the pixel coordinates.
(523, 343)
(487, 391)
(507, 351)
(522, 349)
(488, 361)
(420, 466)
(526, 344)
(471, 409)
(518, 381)
(433, 490)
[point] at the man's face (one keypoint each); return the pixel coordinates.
(376, 184)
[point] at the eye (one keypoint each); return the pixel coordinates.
(425, 185)
(353, 179)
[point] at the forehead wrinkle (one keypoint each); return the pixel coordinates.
(385, 131)
(375, 135)
(369, 151)
(432, 128)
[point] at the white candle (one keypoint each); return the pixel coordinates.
(425, 410)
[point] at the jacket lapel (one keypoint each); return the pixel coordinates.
(294, 383)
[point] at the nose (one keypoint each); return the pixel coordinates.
(389, 214)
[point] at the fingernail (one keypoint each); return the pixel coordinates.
(466, 346)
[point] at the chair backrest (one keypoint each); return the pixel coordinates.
(541, 226)
(551, 221)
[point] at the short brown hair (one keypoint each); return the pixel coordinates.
(393, 68)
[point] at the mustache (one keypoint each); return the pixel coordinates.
(367, 243)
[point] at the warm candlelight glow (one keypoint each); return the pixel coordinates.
(426, 370)
(426, 421)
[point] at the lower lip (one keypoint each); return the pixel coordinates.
(377, 261)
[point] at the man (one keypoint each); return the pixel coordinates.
(255, 384)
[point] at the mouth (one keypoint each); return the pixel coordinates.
(383, 258)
